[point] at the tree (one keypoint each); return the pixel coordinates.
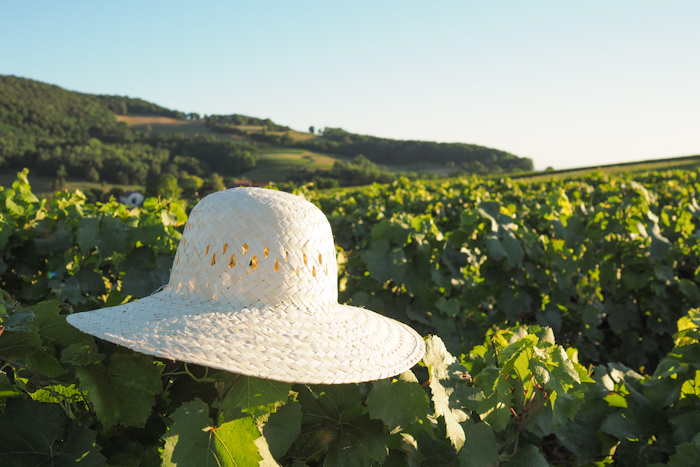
(61, 173)
(165, 186)
(190, 184)
(92, 175)
(214, 182)
(312, 130)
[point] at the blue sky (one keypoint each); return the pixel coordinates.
(567, 84)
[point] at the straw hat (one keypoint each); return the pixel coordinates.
(253, 290)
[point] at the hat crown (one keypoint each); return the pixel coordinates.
(256, 247)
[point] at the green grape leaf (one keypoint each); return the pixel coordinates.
(68, 290)
(360, 443)
(80, 448)
(283, 428)
(335, 423)
(114, 236)
(495, 412)
(56, 393)
(490, 210)
(192, 442)
(687, 426)
(480, 448)
(564, 369)
(438, 361)
(124, 393)
(686, 454)
(53, 327)
(14, 208)
(81, 354)
(495, 248)
(516, 347)
(18, 321)
(254, 396)
(87, 234)
(175, 217)
(342, 402)
(6, 230)
(379, 266)
(449, 307)
(36, 433)
(19, 344)
(527, 456)
(435, 451)
(61, 240)
(621, 427)
(142, 279)
(268, 459)
(7, 389)
(403, 451)
(512, 247)
(45, 363)
(580, 435)
(398, 403)
(566, 407)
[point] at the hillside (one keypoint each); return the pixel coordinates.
(105, 139)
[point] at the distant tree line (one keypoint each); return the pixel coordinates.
(391, 152)
(231, 123)
(122, 105)
(275, 139)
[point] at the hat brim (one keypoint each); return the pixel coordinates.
(293, 343)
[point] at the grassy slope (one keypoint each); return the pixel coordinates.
(165, 125)
(275, 162)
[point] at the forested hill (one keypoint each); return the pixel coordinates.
(60, 133)
(34, 114)
(55, 132)
(472, 158)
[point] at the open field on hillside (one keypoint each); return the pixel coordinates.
(274, 163)
(301, 135)
(165, 125)
(289, 156)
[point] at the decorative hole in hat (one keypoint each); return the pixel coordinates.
(253, 290)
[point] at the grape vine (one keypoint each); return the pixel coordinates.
(567, 316)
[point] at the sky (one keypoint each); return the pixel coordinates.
(567, 84)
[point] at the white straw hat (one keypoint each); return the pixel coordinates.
(253, 290)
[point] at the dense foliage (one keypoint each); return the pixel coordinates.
(468, 157)
(608, 264)
(36, 115)
(513, 277)
(122, 105)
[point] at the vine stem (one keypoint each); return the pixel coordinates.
(222, 396)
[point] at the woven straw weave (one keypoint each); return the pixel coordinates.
(253, 290)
